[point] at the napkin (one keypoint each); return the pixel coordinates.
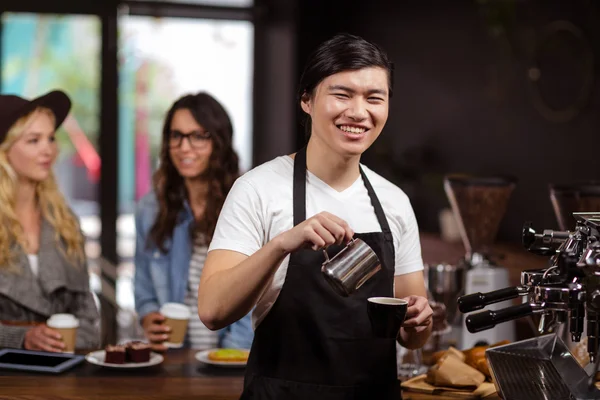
(452, 372)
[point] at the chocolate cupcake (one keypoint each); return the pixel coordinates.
(138, 352)
(114, 354)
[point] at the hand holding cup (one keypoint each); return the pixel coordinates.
(156, 331)
(419, 314)
(42, 338)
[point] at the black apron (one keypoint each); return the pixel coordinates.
(314, 344)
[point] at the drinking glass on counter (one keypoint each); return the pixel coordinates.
(411, 363)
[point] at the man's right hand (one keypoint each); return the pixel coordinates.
(43, 338)
(318, 232)
(155, 331)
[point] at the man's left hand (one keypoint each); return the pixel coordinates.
(419, 314)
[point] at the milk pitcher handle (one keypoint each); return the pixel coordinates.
(327, 255)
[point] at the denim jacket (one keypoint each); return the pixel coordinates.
(162, 277)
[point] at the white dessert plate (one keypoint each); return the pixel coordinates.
(202, 356)
(97, 358)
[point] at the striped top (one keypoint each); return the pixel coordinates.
(199, 336)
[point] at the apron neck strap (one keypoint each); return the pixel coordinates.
(385, 227)
(299, 194)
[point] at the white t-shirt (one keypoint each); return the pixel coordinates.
(260, 206)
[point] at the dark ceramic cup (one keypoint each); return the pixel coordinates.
(386, 315)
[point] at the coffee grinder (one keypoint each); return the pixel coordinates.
(479, 204)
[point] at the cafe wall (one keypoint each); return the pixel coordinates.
(463, 100)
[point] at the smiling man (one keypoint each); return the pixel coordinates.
(265, 254)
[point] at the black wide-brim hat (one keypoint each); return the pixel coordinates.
(14, 107)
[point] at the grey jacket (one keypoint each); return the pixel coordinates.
(59, 288)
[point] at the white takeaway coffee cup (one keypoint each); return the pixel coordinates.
(66, 325)
(176, 317)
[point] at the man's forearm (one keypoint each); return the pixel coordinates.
(228, 295)
(412, 339)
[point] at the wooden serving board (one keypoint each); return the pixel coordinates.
(417, 389)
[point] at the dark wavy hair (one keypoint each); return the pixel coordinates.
(222, 171)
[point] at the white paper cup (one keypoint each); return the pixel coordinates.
(176, 317)
(66, 325)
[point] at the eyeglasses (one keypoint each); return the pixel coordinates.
(197, 139)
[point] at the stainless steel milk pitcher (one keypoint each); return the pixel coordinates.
(349, 269)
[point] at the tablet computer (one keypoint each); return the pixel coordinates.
(38, 361)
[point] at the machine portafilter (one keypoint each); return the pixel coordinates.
(564, 292)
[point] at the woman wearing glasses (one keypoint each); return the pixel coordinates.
(176, 221)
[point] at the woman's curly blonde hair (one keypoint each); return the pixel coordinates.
(52, 204)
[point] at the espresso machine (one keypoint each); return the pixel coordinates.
(566, 200)
(479, 204)
(566, 297)
(567, 292)
(569, 203)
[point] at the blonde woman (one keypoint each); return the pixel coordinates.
(42, 261)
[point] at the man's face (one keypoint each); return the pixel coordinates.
(349, 109)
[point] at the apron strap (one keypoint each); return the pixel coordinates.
(299, 193)
(385, 227)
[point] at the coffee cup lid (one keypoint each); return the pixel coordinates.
(175, 310)
(63, 321)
